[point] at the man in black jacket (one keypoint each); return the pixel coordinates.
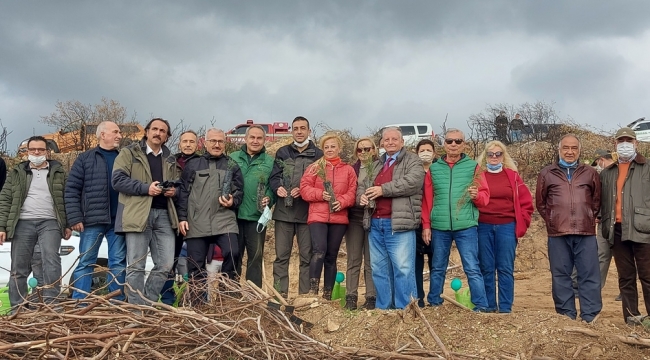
(291, 216)
(91, 206)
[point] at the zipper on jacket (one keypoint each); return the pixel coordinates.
(451, 216)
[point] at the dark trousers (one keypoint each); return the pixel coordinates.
(632, 258)
(167, 294)
(284, 233)
(325, 244)
(253, 242)
(581, 251)
(197, 250)
(421, 250)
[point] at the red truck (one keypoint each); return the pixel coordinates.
(274, 131)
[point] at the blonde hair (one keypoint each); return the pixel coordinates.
(507, 161)
(330, 136)
(373, 152)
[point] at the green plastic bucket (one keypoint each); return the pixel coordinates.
(5, 305)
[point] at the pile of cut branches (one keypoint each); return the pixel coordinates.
(234, 323)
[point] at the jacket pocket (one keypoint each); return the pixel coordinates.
(642, 220)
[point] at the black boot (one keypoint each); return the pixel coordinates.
(313, 286)
(327, 294)
(370, 303)
(351, 302)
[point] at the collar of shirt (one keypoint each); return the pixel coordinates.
(47, 166)
(394, 156)
(150, 151)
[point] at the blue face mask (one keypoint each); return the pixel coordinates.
(566, 164)
(494, 168)
(264, 219)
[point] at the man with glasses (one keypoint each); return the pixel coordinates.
(32, 210)
(568, 199)
(208, 215)
(625, 219)
(144, 174)
(91, 207)
(397, 191)
(291, 216)
(449, 213)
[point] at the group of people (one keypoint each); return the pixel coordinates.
(392, 209)
(514, 126)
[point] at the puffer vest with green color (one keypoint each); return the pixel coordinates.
(452, 207)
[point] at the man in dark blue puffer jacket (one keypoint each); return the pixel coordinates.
(91, 206)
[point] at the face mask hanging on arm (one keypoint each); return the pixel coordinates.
(264, 219)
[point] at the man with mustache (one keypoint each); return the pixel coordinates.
(145, 211)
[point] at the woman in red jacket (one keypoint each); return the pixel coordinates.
(504, 220)
(328, 213)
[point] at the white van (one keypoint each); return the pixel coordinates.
(642, 129)
(413, 132)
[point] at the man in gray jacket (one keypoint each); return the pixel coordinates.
(625, 219)
(208, 215)
(397, 194)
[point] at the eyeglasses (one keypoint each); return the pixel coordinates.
(494, 154)
(365, 149)
(213, 142)
(457, 141)
(34, 150)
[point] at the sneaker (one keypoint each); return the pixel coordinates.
(351, 302)
(635, 320)
(371, 303)
(619, 298)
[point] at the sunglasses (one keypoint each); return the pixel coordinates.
(457, 141)
(365, 149)
(494, 154)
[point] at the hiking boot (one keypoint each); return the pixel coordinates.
(313, 286)
(370, 304)
(619, 298)
(351, 302)
(327, 294)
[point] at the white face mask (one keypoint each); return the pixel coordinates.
(264, 219)
(426, 156)
(37, 160)
(302, 144)
(625, 151)
(382, 151)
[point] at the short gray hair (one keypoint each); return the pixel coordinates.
(255, 127)
(454, 130)
(215, 130)
(391, 128)
(188, 132)
(559, 144)
(101, 128)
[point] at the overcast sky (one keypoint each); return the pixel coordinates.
(350, 64)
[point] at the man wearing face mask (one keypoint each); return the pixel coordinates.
(568, 199)
(32, 210)
(291, 161)
(625, 219)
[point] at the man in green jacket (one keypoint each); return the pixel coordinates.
(452, 192)
(256, 167)
(145, 210)
(625, 220)
(32, 211)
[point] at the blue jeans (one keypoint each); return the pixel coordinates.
(581, 251)
(467, 244)
(496, 253)
(157, 237)
(515, 135)
(392, 256)
(89, 242)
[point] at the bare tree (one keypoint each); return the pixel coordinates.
(3, 139)
(76, 122)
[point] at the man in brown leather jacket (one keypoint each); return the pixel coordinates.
(568, 199)
(625, 218)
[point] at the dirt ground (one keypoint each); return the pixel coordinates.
(532, 331)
